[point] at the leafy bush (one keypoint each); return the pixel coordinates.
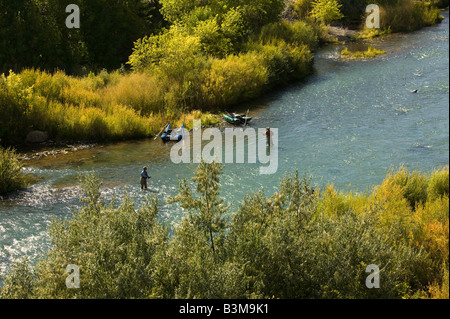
(298, 243)
(295, 33)
(302, 8)
(326, 10)
(294, 252)
(440, 290)
(414, 185)
(19, 283)
(116, 249)
(11, 175)
(439, 184)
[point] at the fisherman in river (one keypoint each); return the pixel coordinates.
(144, 177)
(268, 134)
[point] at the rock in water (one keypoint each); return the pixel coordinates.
(37, 137)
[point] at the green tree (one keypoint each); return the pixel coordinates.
(326, 10)
(207, 211)
(33, 33)
(199, 265)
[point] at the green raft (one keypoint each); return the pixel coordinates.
(236, 119)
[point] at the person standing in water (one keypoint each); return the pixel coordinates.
(144, 178)
(268, 135)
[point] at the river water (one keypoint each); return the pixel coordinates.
(348, 124)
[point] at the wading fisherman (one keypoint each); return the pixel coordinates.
(144, 177)
(268, 134)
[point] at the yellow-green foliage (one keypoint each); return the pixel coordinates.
(108, 106)
(430, 228)
(140, 91)
(441, 291)
(336, 203)
(414, 185)
(326, 10)
(188, 119)
(296, 33)
(370, 53)
(412, 207)
(67, 108)
(439, 184)
(298, 243)
(302, 8)
(408, 15)
(234, 78)
(11, 175)
(373, 33)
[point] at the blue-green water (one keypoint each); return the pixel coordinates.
(348, 124)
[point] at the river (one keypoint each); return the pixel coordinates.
(348, 124)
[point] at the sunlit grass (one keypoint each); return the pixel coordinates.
(370, 53)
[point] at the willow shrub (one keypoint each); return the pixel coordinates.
(289, 245)
(116, 250)
(293, 250)
(19, 283)
(11, 175)
(439, 184)
(198, 261)
(404, 209)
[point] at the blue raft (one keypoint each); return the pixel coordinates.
(172, 135)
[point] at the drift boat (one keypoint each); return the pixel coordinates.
(172, 135)
(236, 119)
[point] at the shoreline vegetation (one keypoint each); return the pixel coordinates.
(301, 242)
(370, 53)
(11, 174)
(199, 60)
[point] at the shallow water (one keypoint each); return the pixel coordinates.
(348, 124)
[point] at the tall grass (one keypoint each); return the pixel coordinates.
(94, 108)
(370, 53)
(408, 15)
(140, 91)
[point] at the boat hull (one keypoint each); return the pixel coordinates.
(170, 135)
(236, 119)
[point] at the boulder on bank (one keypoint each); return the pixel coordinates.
(37, 137)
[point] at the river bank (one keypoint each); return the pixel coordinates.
(335, 35)
(215, 69)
